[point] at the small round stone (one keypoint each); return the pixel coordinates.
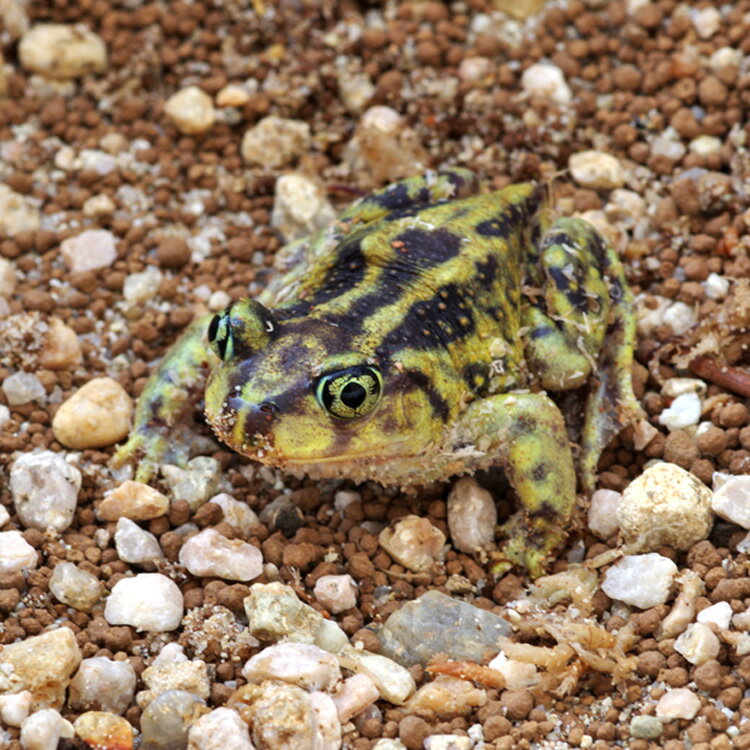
(90, 250)
(16, 553)
(221, 729)
(75, 587)
(133, 500)
(602, 518)
(546, 81)
(472, 516)
(61, 51)
(698, 644)
(299, 207)
(191, 110)
(166, 721)
(147, 601)
(642, 581)
(103, 684)
(134, 544)
(209, 553)
(61, 350)
(731, 501)
(104, 730)
(596, 170)
(679, 703)
(414, 543)
(96, 415)
(275, 142)
(173, 252)
(23, 387)
(17, 213)
(301, 664)
(44, 729)
(336, 592)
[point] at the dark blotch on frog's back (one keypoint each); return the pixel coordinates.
(576, 297)
(425, 249)
(476, 377)
(409, 380)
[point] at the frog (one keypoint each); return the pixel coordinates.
(422, 336)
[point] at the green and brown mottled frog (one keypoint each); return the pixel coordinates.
(414, 340)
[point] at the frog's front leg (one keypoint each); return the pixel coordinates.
(168, 393)
(527, 433)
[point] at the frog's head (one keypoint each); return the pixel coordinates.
(292, 393)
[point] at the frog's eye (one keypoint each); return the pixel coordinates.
(241, 329)
(349, 393)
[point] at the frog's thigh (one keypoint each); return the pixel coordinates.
(566, 328)
(527, 432)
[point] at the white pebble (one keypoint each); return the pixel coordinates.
(596, 170)
(301, 664)
(354, 695)
(518, 675)
(731, 500)
(472, 516)
(95, 416)
(386, 743)
(546, 81)
(665, 505)
(684, 411)
(680, 317)
(679, 703)
(344, 498)
(17, 213)
(4, 516)
(414, 543)
(89, 250)
(237, 514)
(336, 593)
(275, 142)
(299, 207)
(15, 552)
(44, 729)
(143, 286)
(393, 681)
(705, 145)
(642, 581)
(14, 708)
(668, 147)
(222, 729)
(602, 517)
(74, 586)
(7, 277)
(196, 483)
(716, 287)
(725, 57)
(103, 684)
(147, 601)
(218, 300)
(447, 742)
(698, 644)
(188, 675)
(62, 350)
(707, 22)
(98, 206)
(383, 118)
(45, 490)
(232, 95)
(209, 553)
(472, 69)
(133, 500)
(134, 544)
(22, 387)
(191, 109)
(326, 718)
(674, 387)
(56, 50)
(625, 206)
(719, 614)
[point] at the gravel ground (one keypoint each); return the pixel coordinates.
(636, 119)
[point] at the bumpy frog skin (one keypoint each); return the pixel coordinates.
(415, 340)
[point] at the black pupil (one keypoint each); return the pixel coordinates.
(213, 327)
(353, 395)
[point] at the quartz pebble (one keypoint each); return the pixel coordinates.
(222, 729)
(354, 695)
(679, 703)
(89, 250)
(683, 412)
(166, 721)
(147, 601)
(386, 743)
(285, 717)
(239, 515)
(44, 729)
(719, 614)
(17, 213)
(393, 681)
(7, 277)
(74, 586)
(14, 708)
(299, 207)
(716, 287)
(698, 644)
(707, 22)
(4, 515)
(666, 505)
(196, 483)
(98, 206)
(602, 517)
(103, 730)
(436, 623)
(274, 612)
(546, 81)
(102, 684)
(61, 350)
(518, 675)
(642, 581)
(472, 516)
(56, 50)
(646, 727)
(209, 553)
(133, 500)
(45, 490)
(448, 742)
(96, 415)
(596, 170)
(336, 593)
(190, 676)
(143, 286)
(414, 543)
(301, 664)
(448, 697)
(191, 109)
(232, 95)
(15, 552)
(731, 501)
(275, 142)
(22, 387)
(41, 664)
(134, 544)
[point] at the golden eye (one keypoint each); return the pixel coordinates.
(350, 393)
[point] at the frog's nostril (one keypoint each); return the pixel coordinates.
(268, 408)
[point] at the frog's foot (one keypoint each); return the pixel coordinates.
(527, 544)
(147, 449)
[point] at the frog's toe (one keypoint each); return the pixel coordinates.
(145, 450)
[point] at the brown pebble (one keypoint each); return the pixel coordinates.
(517, 703)
(680, 449)
(172, 252)
(711, 441)
(711, 91)
(733, 415)
(650, 663)
(412, 731)
(707, 676)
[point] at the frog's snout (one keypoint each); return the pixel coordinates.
(259, 418)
